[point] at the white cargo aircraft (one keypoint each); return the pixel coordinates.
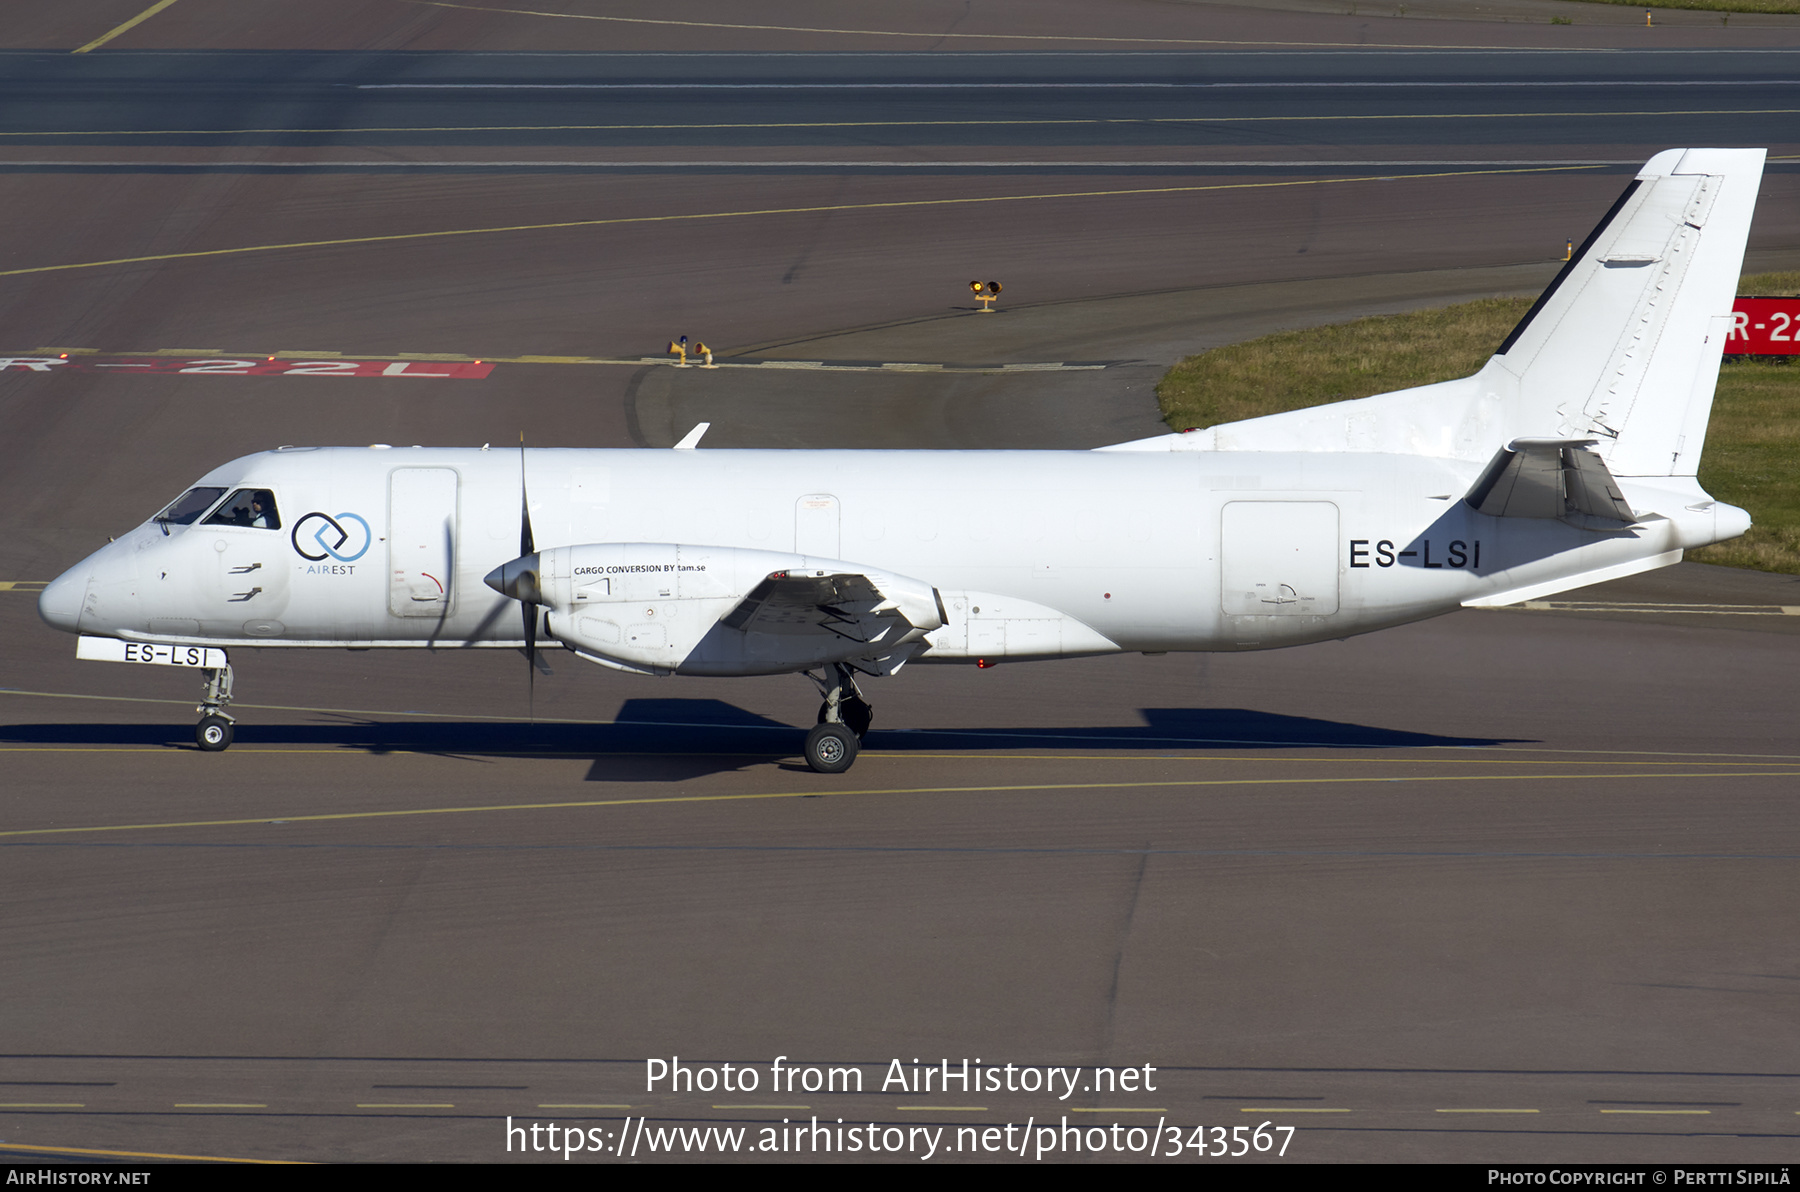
(1568, 459)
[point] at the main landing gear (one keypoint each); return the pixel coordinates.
(843, 719)
(214, 732)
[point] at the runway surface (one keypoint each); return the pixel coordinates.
(1504, 886)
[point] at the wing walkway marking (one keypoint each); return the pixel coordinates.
(889, 205)
(995, 788)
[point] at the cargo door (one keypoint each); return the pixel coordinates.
(421, 541)
(1278, 559)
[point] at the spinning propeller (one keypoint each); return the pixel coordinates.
(519, 578)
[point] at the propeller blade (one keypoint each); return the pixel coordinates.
(527, 549)
(527, 545)
(531, 619)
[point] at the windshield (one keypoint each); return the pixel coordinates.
(189, 506)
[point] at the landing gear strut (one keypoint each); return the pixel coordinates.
(214, 732)
(843, 718)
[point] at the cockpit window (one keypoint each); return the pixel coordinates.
(253, 507)
(190, 505)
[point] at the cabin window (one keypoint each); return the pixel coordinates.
(253, 507)
(190, 505)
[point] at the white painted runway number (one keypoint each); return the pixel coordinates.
(223, 366)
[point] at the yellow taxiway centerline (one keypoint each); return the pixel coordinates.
(982, 37)
(749, 126)
(620, 221)
(1560, 756)
(1146, 755)
(1015, 788)
(133, 23)
(74, 1150)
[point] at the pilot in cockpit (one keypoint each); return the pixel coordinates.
(252, 508)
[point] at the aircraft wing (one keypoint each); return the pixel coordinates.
(846, 605)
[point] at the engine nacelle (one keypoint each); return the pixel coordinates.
(713, 610)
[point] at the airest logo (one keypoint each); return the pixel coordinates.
(345, 537)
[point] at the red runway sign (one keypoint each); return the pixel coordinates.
(222, 366)
(1764, 327)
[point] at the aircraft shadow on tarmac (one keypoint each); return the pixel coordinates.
(675, 740)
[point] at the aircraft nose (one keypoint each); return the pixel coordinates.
(60, 603)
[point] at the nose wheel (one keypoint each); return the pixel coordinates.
(213, 733)
(215, 730)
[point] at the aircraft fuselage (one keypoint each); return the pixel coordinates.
(1143, 550)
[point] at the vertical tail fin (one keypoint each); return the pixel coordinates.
(1625, 344)
(1623, 348)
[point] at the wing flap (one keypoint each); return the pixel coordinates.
(790, 602)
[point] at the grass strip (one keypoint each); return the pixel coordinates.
(1724, 6)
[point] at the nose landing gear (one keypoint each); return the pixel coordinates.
(843, 719)
(215, 730)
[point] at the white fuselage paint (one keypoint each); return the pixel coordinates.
(1150, 550)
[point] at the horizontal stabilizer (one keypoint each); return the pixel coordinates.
(1550, 478)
